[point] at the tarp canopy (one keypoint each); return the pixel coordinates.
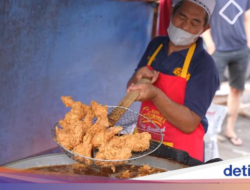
(83, 48)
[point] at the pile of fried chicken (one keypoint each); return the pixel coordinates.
(83, 136)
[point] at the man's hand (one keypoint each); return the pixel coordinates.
(146, 72)
(143, 72)
(147, 91)
(178, 115)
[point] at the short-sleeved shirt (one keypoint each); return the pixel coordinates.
(227, 25)
(203, 77)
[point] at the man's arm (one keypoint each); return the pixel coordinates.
(247, 27)
(178, 115)
(207, 37)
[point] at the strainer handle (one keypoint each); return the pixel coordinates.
(126, 102)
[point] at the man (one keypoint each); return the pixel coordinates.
(228, 43)
(184, 79)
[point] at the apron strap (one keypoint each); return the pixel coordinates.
(186, 63)
(152, 58)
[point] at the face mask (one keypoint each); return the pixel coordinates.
(180, 37)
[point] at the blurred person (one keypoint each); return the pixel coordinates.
(229, 45)
(247, 26)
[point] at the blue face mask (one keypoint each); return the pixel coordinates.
(180, 37)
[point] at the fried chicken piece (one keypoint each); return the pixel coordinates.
(77, 113)
(77, 132)
(138, 142)
(147, 170)
(96, 128)
(98, 139)
(112, 153)
(74, 128)
(67, 100)
(88, 119)
(70, 138)
(64, 124)
(120, 148)
(82, 132)
(124, 175)
(104, 136)
(84, 149)
(98, 111)
(78, 107)
(63, 137)
(101, 112)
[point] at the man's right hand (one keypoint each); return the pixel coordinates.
(147, 73)
(143, 72)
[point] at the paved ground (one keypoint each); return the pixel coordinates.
(229, 151)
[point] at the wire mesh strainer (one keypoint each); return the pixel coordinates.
(128, 121)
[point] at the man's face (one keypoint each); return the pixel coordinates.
(190, 17)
